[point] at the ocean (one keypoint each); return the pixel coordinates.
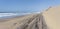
(10, 15)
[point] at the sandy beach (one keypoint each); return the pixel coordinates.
(49, 19)
(18, 22)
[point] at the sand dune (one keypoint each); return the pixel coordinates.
(49, 19)
(52, 17)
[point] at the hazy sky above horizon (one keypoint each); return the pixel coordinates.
(25, 6)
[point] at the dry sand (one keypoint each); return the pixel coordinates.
(52, 17)
(49, 19)
(25, 22)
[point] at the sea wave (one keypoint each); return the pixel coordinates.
(8, 14)
(12, 14)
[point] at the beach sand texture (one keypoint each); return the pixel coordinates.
(49, 19)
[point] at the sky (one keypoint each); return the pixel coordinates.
(26, 6)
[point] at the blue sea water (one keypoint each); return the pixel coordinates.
(10, 15)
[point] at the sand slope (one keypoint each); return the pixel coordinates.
(52, 17)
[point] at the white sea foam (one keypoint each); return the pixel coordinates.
(13, 14)
(7, 14)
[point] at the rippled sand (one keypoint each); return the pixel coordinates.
(32, 21)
